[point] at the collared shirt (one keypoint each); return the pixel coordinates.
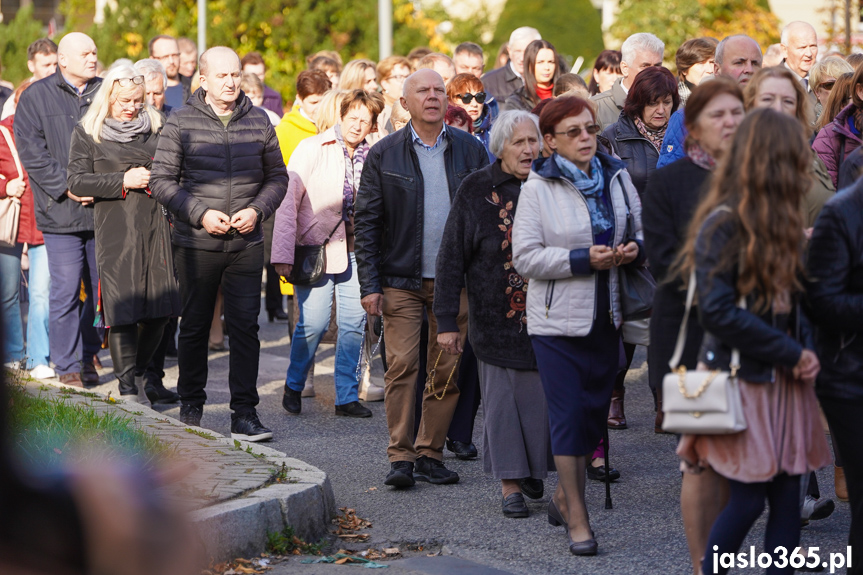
(514, 71)
(803, 80)
(417, 140)
(77, 91)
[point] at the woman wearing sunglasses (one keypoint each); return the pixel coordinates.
(822, 78)
(466, 91)
(541, 71)
(570, 239)
(109, 162)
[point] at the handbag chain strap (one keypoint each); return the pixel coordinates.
(430, 380)
(368, 360)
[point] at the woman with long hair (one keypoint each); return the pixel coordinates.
(359, 75)
(746, 242)
(712, 116)
(110, 158)
(836, 141)
(541, 70)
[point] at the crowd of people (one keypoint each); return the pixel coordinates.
(484, 229)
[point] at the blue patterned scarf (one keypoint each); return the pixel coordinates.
(591, 187)
(353, 171)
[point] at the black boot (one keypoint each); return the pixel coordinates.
(156, 391)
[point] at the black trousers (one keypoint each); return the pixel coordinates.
(156, 368)
(461, 426)
(844, 417)
(239, 274)
(133, 345)
(274, 299)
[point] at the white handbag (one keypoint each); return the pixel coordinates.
(701, 402)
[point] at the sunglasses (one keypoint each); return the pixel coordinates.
(468, 97)
(575, 131)
(827, 86)
(137, 80)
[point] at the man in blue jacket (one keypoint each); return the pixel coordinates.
(46, 115)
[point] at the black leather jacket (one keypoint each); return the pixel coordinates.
(636, 151)
(765, 341)
(835, 294)
(388, 222)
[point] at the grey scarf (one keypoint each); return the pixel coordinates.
(124, 132)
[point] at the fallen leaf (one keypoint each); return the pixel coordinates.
(391, 551)
(342, 561)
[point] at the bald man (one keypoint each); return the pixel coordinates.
(407, 184)
(219, 169)
(799, 45)
(46, 116)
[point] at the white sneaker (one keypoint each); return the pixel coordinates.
(42, 372)
(368, 390)
(815, 509)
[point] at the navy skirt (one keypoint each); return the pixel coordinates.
(578, 376)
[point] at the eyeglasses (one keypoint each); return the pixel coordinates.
(575, 131)
(131, 105)
(137, 80)
(827, 86)
(175, 56)
(466, 98)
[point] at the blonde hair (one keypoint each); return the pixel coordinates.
(329, 110)
(94, 119)
(353, 75)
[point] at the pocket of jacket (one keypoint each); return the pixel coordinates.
(398, 179)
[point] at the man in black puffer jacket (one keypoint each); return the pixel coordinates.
(219, 169)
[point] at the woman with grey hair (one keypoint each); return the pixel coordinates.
(110, 158)
(476, 253)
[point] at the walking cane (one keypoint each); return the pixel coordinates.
(607, 474)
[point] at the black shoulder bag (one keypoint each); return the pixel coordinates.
(637, 286)
(310, 262)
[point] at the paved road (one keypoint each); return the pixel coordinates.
(643, 533)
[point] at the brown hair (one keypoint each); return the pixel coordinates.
(253, 58)
(567, 82)
(41, 46)
(692, 52)
(803, 112)
(763, 180)
(461, 83)
(386, 66)
(530, 55)
(837, 100)
(651, 85)
(312, 82)
(373, 102)
(704, 93)
(559, 109)
(607, 60)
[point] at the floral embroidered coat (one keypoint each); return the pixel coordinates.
(476, 253)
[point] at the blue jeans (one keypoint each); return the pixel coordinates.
(71, 259)
(37, 322)
(315, 303)
(10, 304)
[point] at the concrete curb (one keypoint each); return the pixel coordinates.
(237, 527)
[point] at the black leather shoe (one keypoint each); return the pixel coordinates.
(191, 415)
(248, 427)
(588, 547)
(434, 471)
(292, 401)
(353, 409)
(277, 314)
(401, 474)
(462, 450)
(514, 506)
(598, 473)
(157, 393)
(532, 488)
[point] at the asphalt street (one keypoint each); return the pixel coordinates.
(643, 533)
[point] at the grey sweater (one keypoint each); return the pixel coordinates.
(436, 203)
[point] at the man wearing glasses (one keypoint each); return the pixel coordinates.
(166, 50)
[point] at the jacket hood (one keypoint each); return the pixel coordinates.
(198, 101)
(840, 122)
(547, 168)
(484, 122)
(296, 118)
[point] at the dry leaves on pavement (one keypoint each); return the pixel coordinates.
(348, 524)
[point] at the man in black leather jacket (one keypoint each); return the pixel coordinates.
(408, 181)
(219, 169)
